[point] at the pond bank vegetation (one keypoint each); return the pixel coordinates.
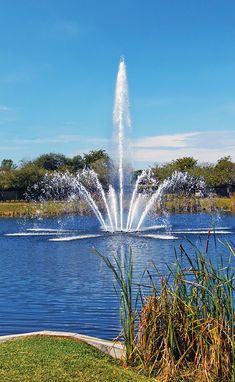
(183, 329)
(173, 204)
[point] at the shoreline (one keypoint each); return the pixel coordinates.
(25, 209)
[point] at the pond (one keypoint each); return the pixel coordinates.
(51, 279)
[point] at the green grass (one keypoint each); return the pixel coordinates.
(55, 359)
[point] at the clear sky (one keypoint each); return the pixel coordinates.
(58, 66)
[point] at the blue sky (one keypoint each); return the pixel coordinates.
(58, 66)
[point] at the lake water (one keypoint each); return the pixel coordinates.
(51, 279)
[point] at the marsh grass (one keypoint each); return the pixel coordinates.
(184, 328)
(128, 299)
(188, 328)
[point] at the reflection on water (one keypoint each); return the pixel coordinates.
(62, 285)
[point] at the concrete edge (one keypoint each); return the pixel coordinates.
(114, 349)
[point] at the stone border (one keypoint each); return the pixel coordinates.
(114, 349)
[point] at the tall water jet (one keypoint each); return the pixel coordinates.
(121, 119)
(113, 203)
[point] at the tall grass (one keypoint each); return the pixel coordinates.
(123, 273)
(184, 329)
(188, 329)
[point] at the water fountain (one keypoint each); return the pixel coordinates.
(110, 207)
(47, 264)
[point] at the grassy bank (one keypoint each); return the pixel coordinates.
(30, 209)
(44, 359)
(182, 204)
(177, 204)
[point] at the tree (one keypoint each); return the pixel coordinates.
(223, 172)
(27, 176)
(76, 163)
(95, 155)
(8, 180)
(7, 164)
(99, 161)
(51, 161)
(162, 172)
(185, 164)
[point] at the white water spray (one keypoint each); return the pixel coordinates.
(146, 191)
(95, 180)
(113, 203)
(146, 175)
(92, 204)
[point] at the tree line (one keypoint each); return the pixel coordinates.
(27, 173)
(220, 174)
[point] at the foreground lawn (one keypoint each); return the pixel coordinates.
(54, 359)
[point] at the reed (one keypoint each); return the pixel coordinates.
(122, 270)
(188, 328)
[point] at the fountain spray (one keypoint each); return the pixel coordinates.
(121, 119)
(146, 190)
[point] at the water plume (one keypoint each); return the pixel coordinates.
(111, 208)
(121, 118)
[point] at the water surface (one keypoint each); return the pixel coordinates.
(51, 279)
